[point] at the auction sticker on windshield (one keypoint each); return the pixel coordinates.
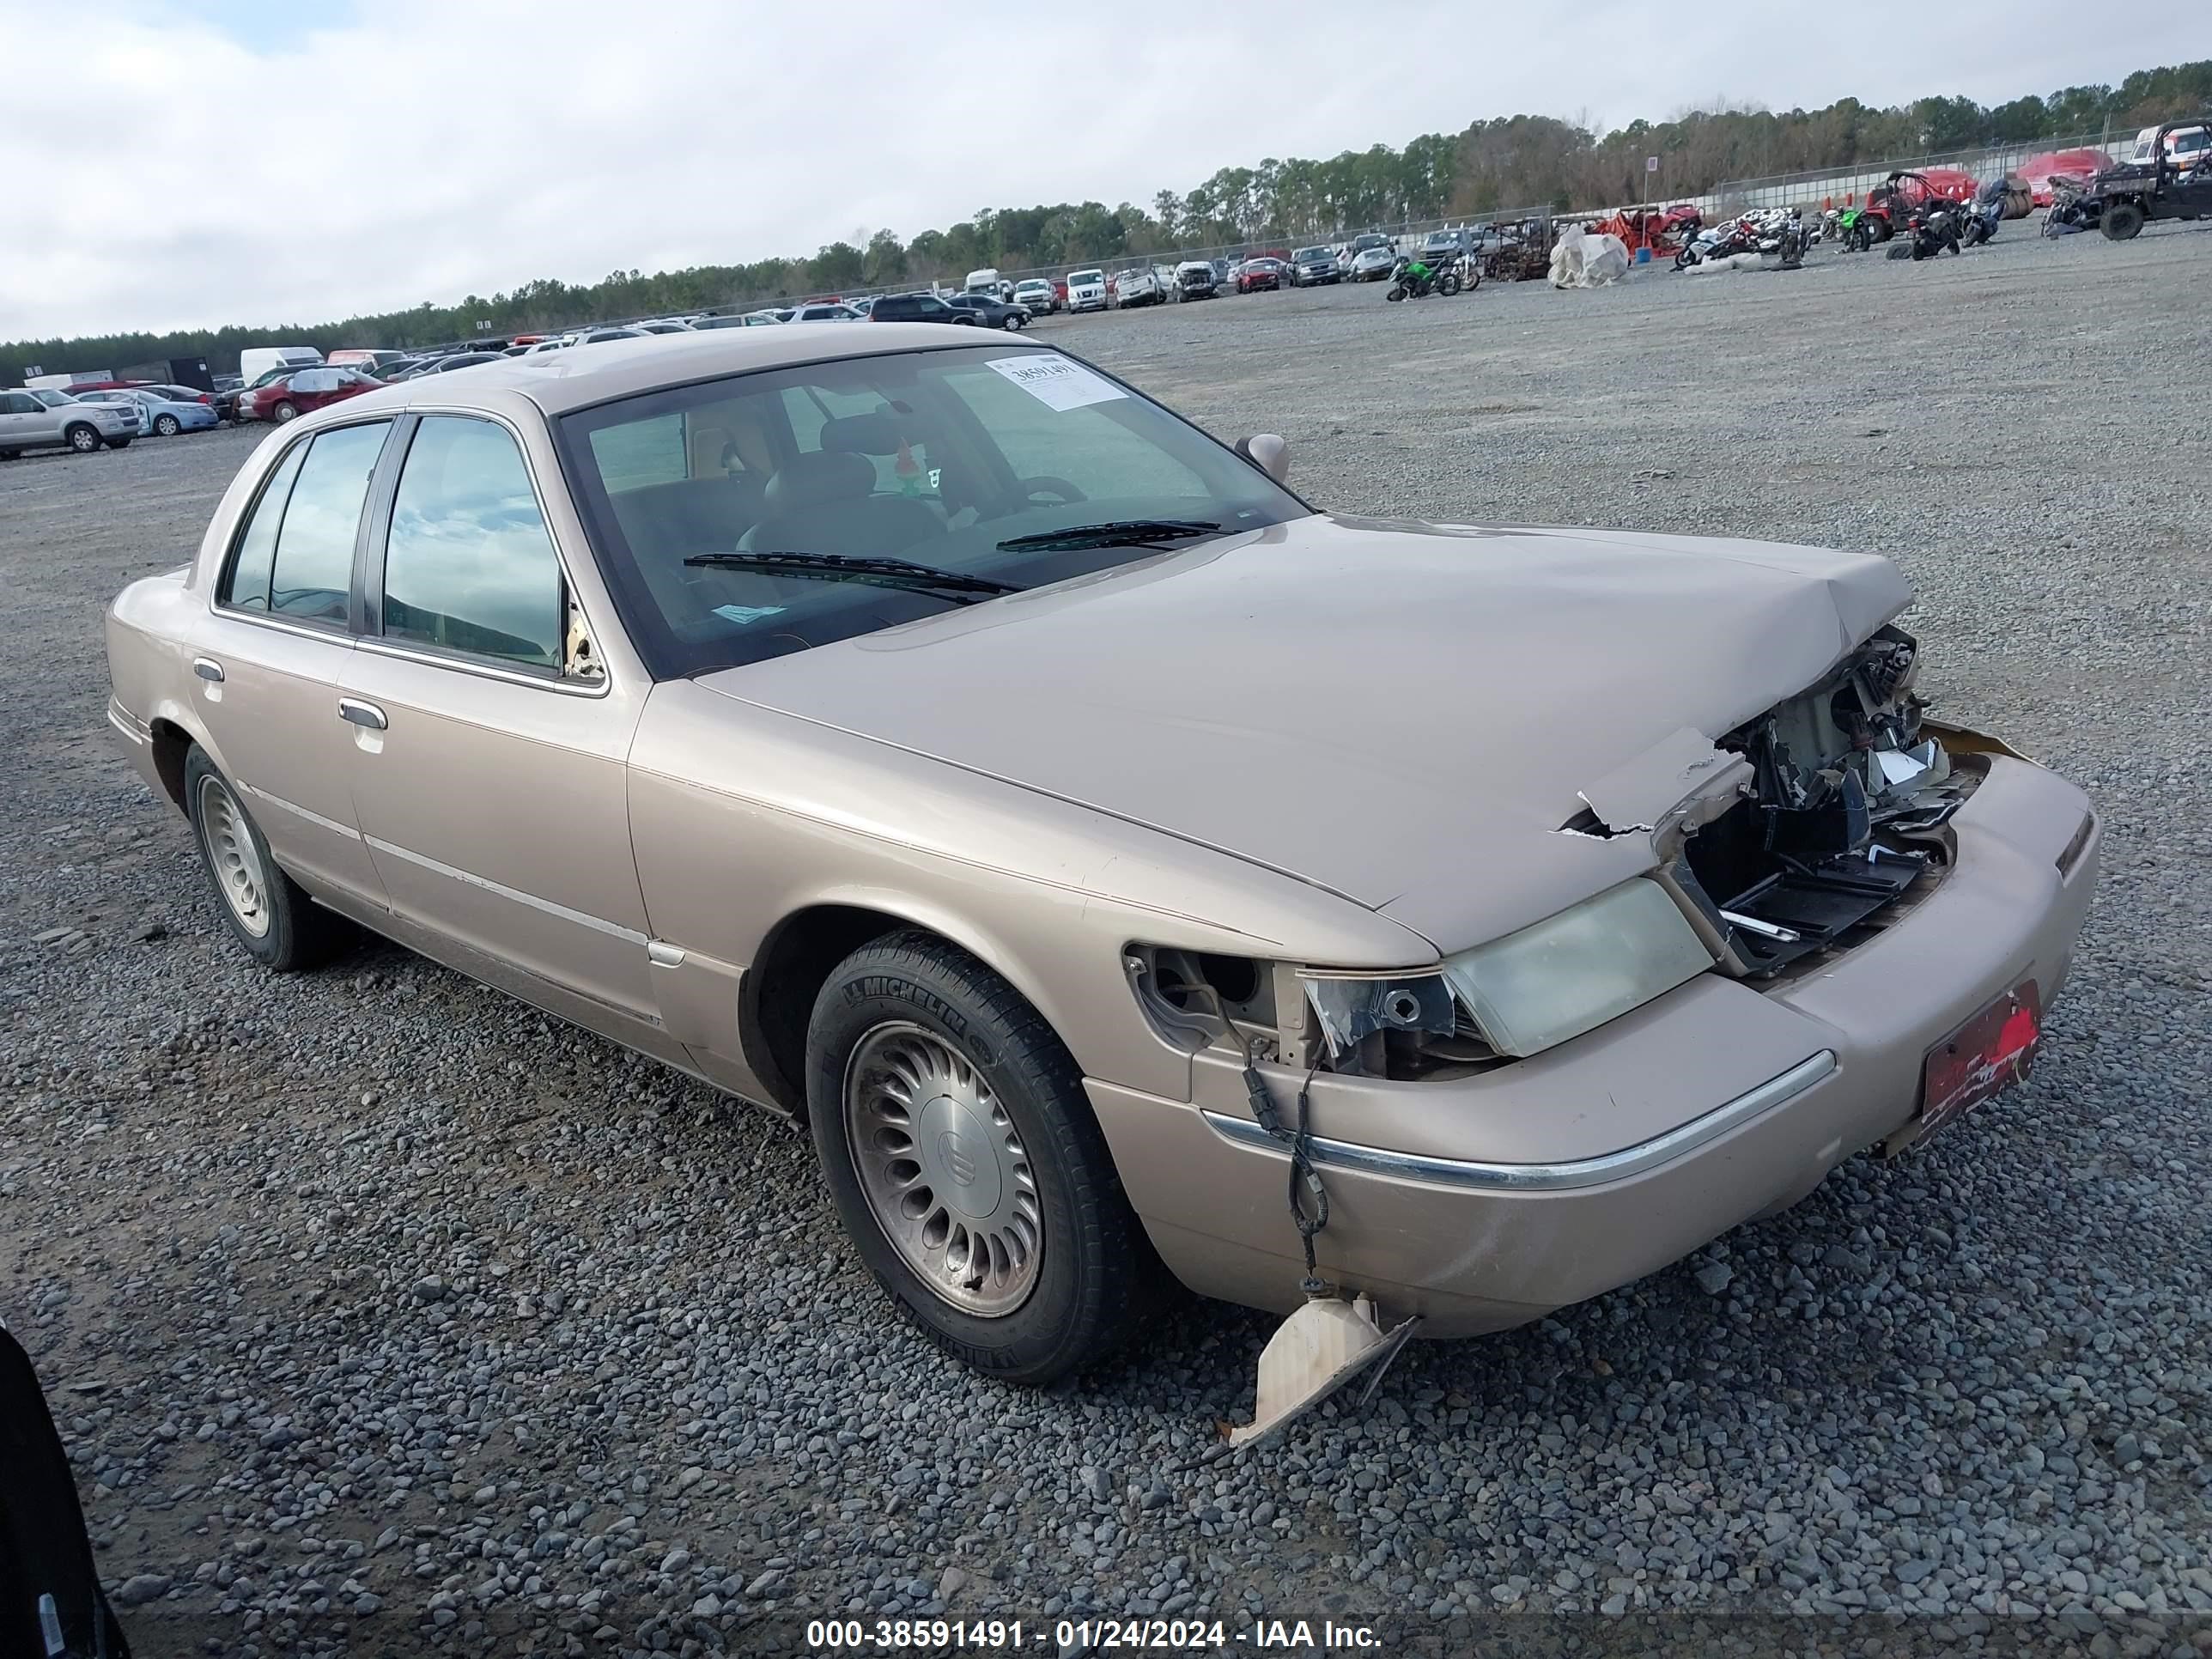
(1057, 382)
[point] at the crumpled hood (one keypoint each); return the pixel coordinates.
(1404, 713)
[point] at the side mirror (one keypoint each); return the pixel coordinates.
(1269, 452)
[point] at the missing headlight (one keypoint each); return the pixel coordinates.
(1351, 1010)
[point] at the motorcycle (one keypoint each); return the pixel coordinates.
(1411, 280)
(2072, 208)
(1982, 216)
(1932, 228)
(1720, 241)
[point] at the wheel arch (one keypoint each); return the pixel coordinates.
(170, 743)
(775, 996)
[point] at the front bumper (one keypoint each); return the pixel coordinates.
(1488, 1202)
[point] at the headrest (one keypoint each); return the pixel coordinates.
(875, 433)
(825, 475)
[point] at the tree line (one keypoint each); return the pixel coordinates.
(1498, 165)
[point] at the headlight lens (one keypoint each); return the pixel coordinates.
(1572, 972)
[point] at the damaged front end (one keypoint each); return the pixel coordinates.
(1798, 834)
(1831, 810)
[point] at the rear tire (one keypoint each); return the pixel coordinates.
(287, 410)
(1008, 1109)
(2121, 221)
(269, 913)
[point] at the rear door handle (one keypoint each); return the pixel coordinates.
(208, 669)
(362, 714)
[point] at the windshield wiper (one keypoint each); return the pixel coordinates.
(1123, 533)
(846, 567)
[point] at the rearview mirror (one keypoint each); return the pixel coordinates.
(1269, 452)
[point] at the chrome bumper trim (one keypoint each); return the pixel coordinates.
(1542, 1178)
(128, 723)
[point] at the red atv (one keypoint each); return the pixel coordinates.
(1890, 204)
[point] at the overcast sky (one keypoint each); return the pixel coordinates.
(174, 163)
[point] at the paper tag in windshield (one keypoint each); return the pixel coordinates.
(1055, 381)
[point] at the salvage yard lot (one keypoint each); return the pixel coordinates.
(381, 1313)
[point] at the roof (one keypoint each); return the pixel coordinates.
(578, 376)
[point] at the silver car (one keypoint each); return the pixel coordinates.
(45, 419)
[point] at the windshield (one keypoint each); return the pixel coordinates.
(948, 458)
(52, 399)
(1085, 277)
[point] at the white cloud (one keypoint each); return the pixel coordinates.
(164, 173)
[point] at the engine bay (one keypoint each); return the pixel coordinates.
(1836, 812)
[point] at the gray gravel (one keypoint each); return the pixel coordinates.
(383, 1316)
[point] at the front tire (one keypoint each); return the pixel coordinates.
(82, 439)
(269, 913)
(966, 1165)
(168, 425)
(119, 443)
(2121, 221)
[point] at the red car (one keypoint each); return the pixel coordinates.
(1255, 274)
(302, 391)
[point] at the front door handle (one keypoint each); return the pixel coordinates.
(208, 669)
(362, 714)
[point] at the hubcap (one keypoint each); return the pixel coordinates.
(233, 858)
(943, 1169)
(83, 440)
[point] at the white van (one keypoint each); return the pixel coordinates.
(988, 281)
(256, 360)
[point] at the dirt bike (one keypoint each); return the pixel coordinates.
(1411, 280)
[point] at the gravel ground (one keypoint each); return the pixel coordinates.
(383, 1316)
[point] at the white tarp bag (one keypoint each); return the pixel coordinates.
(1605, 259)
(1581, 259)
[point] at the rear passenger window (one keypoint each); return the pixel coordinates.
(469, 566)
(246, 587)
(314, 569)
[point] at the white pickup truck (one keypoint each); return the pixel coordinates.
(53, 420)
